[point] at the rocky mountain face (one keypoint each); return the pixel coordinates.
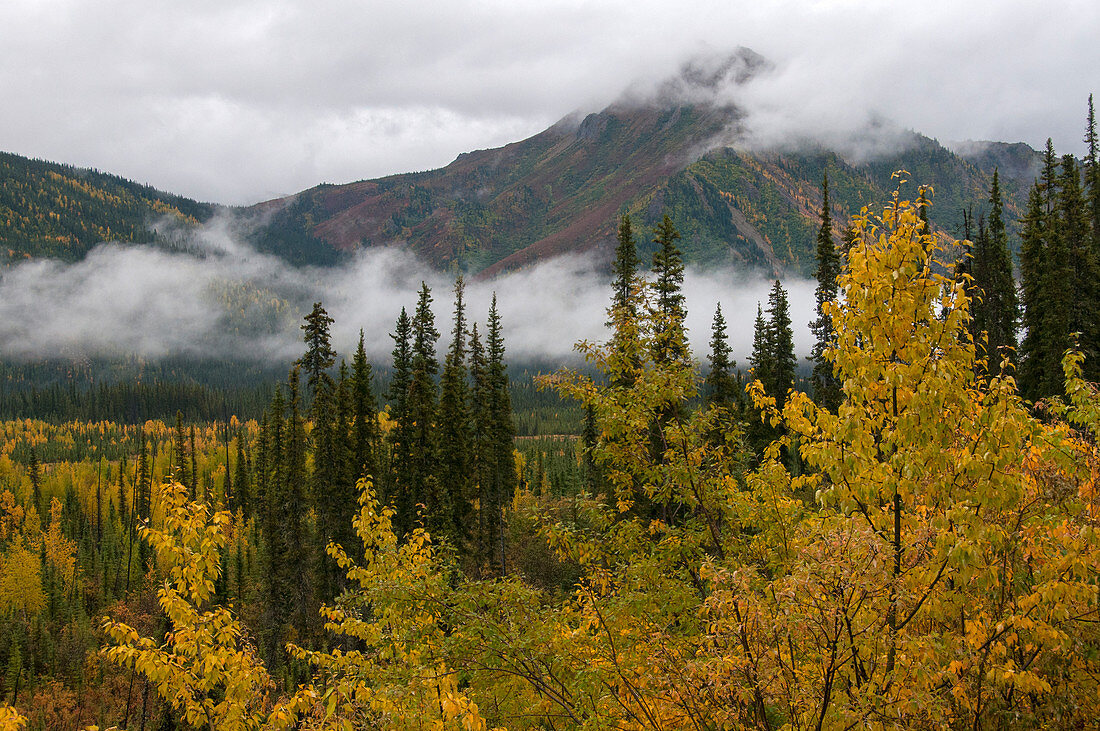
(563, 190)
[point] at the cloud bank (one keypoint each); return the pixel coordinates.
(218, 298)
(238, 102)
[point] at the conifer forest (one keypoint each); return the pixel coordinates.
(898, 531)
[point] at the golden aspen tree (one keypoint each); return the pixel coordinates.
(204, 669)
(950, 575)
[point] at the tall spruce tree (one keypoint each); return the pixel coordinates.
(242, 479)
(180, 463)
(34, 469)
(293, 568)
(1092, 178)
(669, 333)
(721, 382)
(625, 270)
(826, 387)
(328, 492)
(399, 485)
(1076, 234)
(481, 452)
(423, 405)
(501, 433)
(1000, 308)
(454, 429)
(780, 345)
(319, 355)
(623, 313)
(773, 361)
(364, 415)
(1032, 294)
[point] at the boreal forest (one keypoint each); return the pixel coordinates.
(898, 531)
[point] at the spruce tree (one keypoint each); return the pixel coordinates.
(34, 469)
(180, 462)
(1032, 280)
(1000, 305)
(194, 471)
(780, 346)
(759, 433)
(454, 428)
(826, 388)
(1073, 222)
(1056, 302)
(364, 415)
(242, 480)
(721, 383)
(481, 453)
(399, 488)
(773, 361)
(1092, 178)
(328, 494)
(623, 314)
(423, 405)
(293, 567)
(319, 355)
(501, 433)
(143, 490)
(669, 334)
(625, 271)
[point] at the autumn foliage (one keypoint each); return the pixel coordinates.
(923, 556)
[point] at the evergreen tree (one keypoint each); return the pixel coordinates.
(194, 471)
(1092, 179)
(669, 340)
(319, 355)
(399, 485)
(272, 473)
(773, 362)
(293, 567)
(481, 454)
(143, 490)
(34, 468)
(1032, 293)
(625, 271)
(780, 346)
(423, 405)
(626, 292)
(721, 383)
(364, 415)
(669, 336)
(501, 433)
(826, 388)
(999, 309)
(1056, 306)
(328, 493)
(1076, 239)
(454, 428)
(590, 438)
(242, 478)
(180, 463)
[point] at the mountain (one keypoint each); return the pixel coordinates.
(59, 211)
(677, 149)
(675, 152)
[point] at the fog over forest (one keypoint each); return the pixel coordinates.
(215, 296)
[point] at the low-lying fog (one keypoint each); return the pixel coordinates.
(222, 299)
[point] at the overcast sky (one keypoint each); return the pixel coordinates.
(237, 101)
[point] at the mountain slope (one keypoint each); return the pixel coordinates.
(59, 211)
(563, 189)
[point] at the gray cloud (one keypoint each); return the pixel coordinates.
(218, 298)
(241, 101)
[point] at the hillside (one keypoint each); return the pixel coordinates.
(59, 211)
(563, 189)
